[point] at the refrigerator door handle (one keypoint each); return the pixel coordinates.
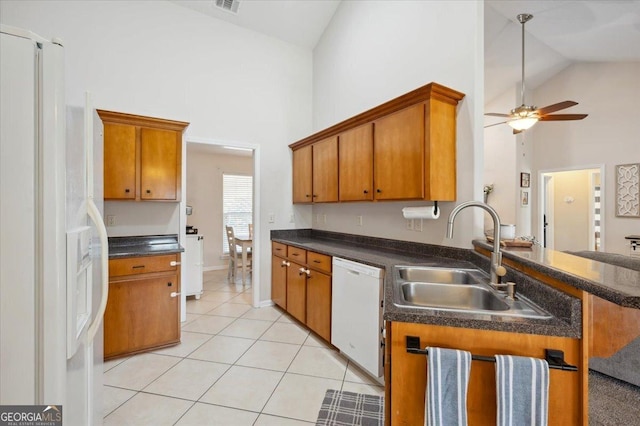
(96, 217)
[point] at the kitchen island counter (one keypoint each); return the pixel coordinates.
(384, 253)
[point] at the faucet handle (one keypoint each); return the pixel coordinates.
(501, 271)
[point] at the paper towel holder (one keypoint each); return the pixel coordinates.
(435, 207)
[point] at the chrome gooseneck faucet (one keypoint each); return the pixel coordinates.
(496, 257)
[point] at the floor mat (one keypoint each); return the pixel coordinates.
(342, 408)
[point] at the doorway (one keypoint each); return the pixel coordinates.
(571, 208)
(208, 161)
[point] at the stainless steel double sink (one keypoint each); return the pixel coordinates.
(457, 289)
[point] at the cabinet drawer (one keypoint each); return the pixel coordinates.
(319, 261)
(297, 254)
(142, 265)
(279, 249)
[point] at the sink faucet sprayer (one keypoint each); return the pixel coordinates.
(497, 270)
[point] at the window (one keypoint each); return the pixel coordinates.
(237, 206)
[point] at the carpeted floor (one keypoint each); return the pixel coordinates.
(612, 402)
(341, 408)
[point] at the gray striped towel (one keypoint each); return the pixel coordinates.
(522, 386)
(447, 385)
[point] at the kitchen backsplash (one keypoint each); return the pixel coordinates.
(126, 218)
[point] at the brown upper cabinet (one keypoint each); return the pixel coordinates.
(404, 149)
(355, 159)
(142, 157)
(315, 172)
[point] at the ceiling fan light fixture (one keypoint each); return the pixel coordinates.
(524, 123)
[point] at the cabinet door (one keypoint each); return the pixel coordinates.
(279, 281)
(355, 169)
(116, 319)
(160, 157)
(302, 175)
(319, 304)
(325, 170)
(297, 292)
(119, 162)
(155, 313)
(399, 155)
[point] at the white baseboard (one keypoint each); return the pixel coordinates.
(266, 303)
(214, 268)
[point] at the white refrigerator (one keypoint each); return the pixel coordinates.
(53, 252)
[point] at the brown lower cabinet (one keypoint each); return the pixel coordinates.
(409, 372)
(301, 285)
(143, 309)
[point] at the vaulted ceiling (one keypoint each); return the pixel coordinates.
(560, 33)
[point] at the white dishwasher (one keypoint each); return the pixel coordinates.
(356, 314)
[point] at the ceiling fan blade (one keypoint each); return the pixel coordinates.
(495, 124)
(555, 107)
(497, 114)
(562, 117)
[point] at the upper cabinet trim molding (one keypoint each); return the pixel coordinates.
(140, 120)
(421, 94)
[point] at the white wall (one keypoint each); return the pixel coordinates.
(204, 194)
(374, 51)
(159, 59)
(609, 93)
(142, 218)
(571, 210)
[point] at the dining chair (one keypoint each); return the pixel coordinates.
(251, 231)
(235, 256)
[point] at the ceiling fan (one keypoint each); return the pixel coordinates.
(525, 116)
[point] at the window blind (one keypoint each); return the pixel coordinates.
(237, 206)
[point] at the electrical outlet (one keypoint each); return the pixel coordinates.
(292, 218)
(324, 218)
(410, 224)
(417, 225)
(318, 217)
(272, 217)
(359, 220)
(111, 220)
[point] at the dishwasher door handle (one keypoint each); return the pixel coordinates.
(352, 272)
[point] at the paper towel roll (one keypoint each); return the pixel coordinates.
(421, 212)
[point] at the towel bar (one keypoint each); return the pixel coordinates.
(554, 357)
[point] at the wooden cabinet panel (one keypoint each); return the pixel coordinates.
(142, 157)
(117, 319)
(297, 292)
(399, 155)
(409, 373)
(297, 254)
(119, 162)
(325, 170)
(160, 159)
(302, 175)
(155, 314)
(319, 261)
(279, 281)
(319, 304)
(355, 169)
(279, 249)
(142, 265)
(404, 149)
(440, 151)
(141, 311)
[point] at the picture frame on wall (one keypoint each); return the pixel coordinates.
(525, 180)
(524, 198)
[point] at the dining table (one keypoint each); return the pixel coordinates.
(245, 243)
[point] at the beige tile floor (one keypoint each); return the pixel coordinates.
(235, 365)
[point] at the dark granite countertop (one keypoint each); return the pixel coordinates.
(147, 245)
(613, 283)
(385, 253)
